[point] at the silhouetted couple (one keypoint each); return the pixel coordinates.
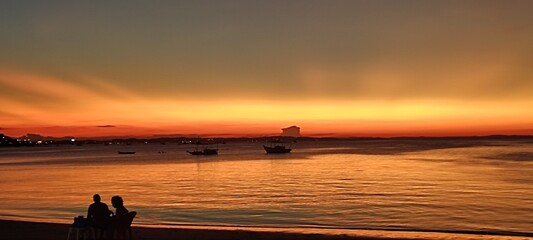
(104, 220)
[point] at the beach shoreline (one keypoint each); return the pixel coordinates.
(11, 229)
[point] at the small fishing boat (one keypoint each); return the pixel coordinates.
(205, 151)
(202, 149)
(126, 152)
(277, 147)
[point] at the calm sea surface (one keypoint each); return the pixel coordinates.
(443, 185)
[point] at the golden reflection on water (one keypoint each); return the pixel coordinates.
(437, 189)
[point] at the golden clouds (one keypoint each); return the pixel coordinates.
(43, 99)
(98, 103)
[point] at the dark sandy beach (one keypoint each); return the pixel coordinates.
(48, 231)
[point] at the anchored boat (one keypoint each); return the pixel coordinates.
(277, 147)
(126, 152)
(203, 150)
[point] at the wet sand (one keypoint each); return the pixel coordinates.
(48, 231)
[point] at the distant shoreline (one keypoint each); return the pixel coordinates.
(38, 140)
(47, 231)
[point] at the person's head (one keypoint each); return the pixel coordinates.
(117, 201)
(96, 198)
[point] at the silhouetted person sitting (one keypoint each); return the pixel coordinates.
(120, 220)
(98, 215)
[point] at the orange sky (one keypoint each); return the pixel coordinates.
(69, 109)
(248, 68)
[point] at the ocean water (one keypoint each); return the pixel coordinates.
(455, 185)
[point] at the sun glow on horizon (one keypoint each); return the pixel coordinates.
(66, 108)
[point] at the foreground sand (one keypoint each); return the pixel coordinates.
(52, 231)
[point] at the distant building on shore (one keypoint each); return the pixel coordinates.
(292, 131)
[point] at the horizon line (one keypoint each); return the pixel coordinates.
(237, 136)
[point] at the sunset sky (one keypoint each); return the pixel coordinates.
(232, 68)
